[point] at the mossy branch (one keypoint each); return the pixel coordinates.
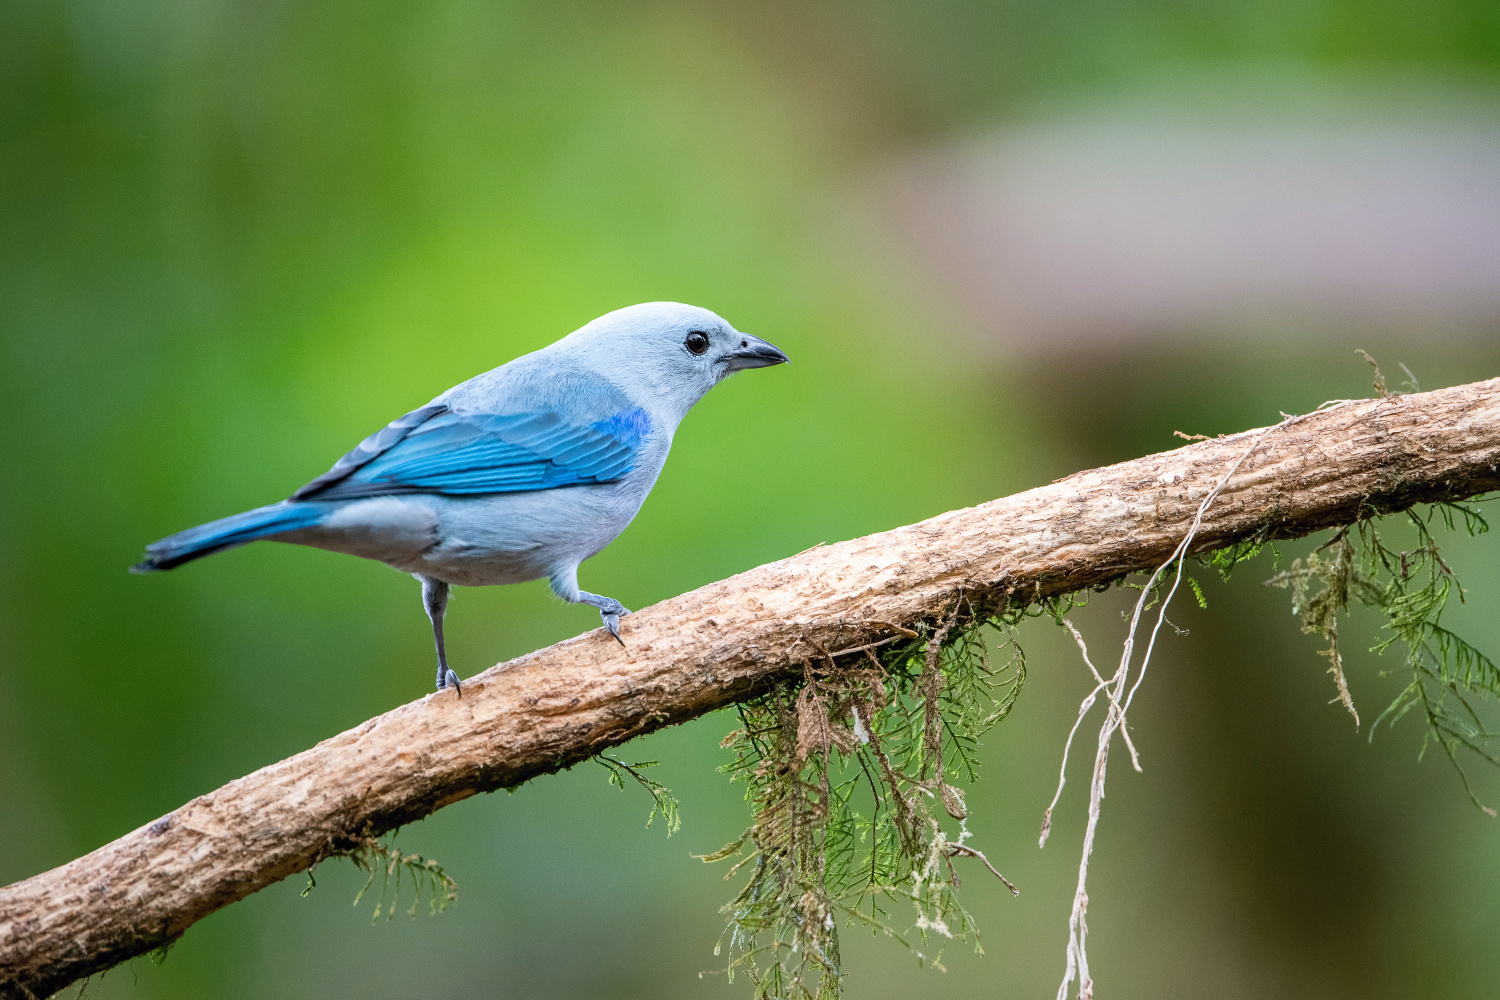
(734, 641)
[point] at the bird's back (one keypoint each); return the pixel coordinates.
(544, 381)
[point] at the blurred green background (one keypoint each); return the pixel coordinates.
(236, 238)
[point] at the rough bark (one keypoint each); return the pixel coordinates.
(708, 648)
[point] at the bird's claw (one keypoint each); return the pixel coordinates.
(611, 618)
(450, 678)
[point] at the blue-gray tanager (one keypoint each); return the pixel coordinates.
(517, 474)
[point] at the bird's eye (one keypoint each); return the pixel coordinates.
(696, 342)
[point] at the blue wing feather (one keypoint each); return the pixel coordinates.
(437, 450)
(372, 446)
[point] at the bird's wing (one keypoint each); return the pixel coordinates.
(439, 450)
(370, 448)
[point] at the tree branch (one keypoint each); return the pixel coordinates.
(720, 643)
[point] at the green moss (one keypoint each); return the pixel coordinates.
(1449, 678)
(850, 775)
(662, 799)
(392, 867)
(384, 860)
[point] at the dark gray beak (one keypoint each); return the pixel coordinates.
(753, 352)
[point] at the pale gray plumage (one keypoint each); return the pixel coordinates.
(517, 474)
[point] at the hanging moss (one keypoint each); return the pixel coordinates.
(854, 773)
(384, 860)
(851, 778)
(1448, 677)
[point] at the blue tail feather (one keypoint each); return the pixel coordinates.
(228, 532)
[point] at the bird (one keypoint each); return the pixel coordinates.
(518, 474)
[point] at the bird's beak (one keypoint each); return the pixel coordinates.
(753, 352)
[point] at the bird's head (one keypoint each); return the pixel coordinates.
(681, 351)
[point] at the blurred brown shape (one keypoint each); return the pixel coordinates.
(1225, 217)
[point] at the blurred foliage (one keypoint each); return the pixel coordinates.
(234, 239)
(977, 60)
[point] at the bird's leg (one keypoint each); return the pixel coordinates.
(609, 609)
(565, 585)
(435, 599)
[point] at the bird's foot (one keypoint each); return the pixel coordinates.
(611, 613)
(447, 678)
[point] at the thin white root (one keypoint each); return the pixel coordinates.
(1077, 952)
(1062, 776)
(1135, 758)
(1083, 707)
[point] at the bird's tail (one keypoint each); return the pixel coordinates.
(227, 532)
